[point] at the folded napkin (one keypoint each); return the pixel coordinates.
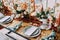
(31, 30)
(3, 37)
(2, 34)
(4, 19)
(16, 36)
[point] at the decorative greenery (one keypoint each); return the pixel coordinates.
(0, 3)
(16, 5)
(43, 15)
(18, 12)
(26, 16)
(53, 18)
(38, 15)
(47, 12)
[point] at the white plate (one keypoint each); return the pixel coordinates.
(36, 33)
(15, 27)
(7, 21)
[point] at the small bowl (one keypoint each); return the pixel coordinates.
(44, 21)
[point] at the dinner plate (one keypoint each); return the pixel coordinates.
(34, 34)
(15, 27)
(7, 21)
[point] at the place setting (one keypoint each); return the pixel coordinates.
(31, 31)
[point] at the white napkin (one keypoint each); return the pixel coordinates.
(16, 36)
(31, 30)
(4, 19)
(3, 37)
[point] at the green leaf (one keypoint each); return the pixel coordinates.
(47, 12)
(18, 12)
(38, 15)
(0, 3)
(16, 5)
(53, 18)
(42, 13)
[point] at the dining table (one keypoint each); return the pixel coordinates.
(25, 24)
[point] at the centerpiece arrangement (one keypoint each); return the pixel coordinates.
(46, 17)
(1, 6)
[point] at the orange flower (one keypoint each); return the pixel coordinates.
(58, 20)
(32, 1)
(24, 6)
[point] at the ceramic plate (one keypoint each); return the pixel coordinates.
(7, 21)
(15, 27)
(34, 34)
